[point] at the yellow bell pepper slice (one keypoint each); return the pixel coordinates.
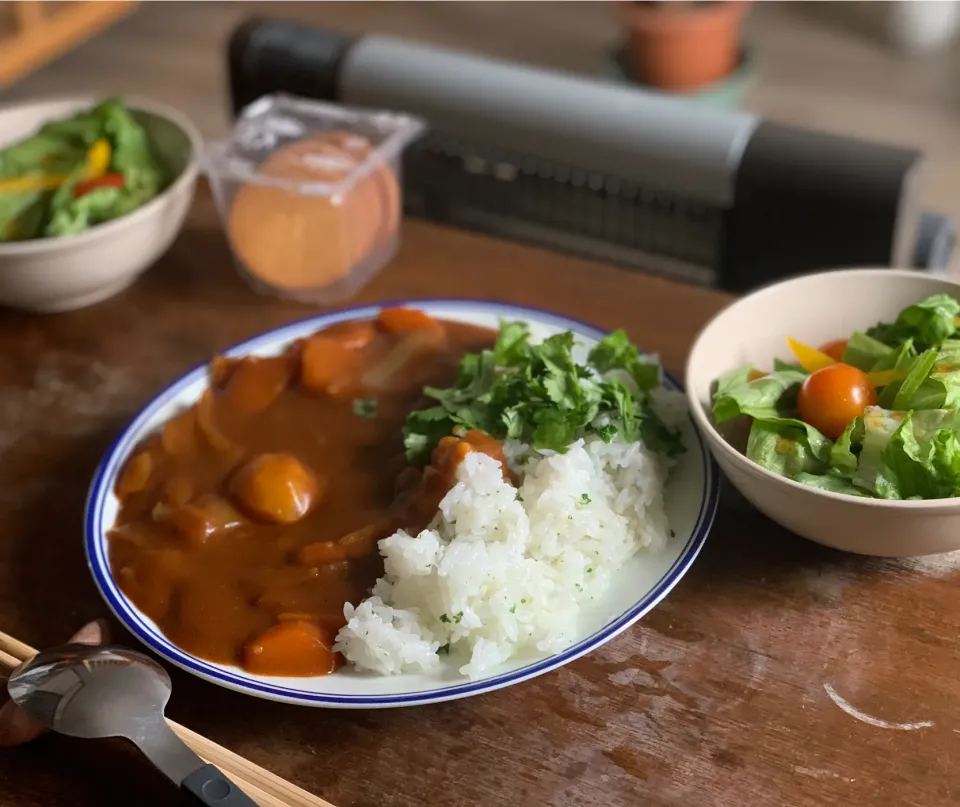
(809, 358)
(97, 161)
(882, 378)
(31, 184)
(96, 164)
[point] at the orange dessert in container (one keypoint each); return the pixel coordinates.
(309, 195)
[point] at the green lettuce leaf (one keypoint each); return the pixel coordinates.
(842, 455)
(772, 396)
(909, 455)
(864, 352)
(780, 364)
(788, 446)
(899, 395)
(941, 389)
(22, 215)
(928, 323)
(899, 358)
(44, 153)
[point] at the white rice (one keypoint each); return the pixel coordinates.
(500, 574)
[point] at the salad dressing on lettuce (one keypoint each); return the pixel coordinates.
(875, 415)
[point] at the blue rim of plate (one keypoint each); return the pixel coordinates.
(95, 542)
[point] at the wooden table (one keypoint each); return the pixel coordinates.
(719, 697)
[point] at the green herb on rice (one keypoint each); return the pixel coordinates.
(539, 395)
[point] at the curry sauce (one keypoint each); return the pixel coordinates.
(249, 520)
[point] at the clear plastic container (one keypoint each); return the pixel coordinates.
(309, 194)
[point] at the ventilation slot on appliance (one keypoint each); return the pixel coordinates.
(560, 206)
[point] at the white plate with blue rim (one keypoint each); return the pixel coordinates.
(691, 500)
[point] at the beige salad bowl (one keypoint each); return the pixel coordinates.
(815, 309)
(59, 274)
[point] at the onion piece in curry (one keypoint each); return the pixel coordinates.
(249, 520)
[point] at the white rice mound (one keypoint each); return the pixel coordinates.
(502, 572)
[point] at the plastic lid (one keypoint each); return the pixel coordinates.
(309, 195)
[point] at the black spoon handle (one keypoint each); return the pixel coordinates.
(209, 787)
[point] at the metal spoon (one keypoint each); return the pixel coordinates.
(110, 691)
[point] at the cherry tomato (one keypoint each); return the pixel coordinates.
(106, 181)
(833, 396)
(835, 349)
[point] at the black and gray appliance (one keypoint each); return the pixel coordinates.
(601, 169)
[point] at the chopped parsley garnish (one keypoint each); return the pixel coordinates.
(513, 608)
(590, 570)
(455, 619)
(518, 497)
(584, 499)
(365, 407)
(539, 395)
(444, 650)
(607, 433)
(617, 352)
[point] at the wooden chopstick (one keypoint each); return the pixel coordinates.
(265, 788)
(16, 648)
(8, 661)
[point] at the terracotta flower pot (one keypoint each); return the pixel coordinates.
(681, 46)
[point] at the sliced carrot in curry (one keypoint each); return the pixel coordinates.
(450, 452)
(256, 383)
(356, 544)
(291, 648)
(210, 515)
(177, 491)
(135, 476)
(406, 320)
(353, 334)
(417, 506)
(206, 420)
(277, 488)
(179, 435)
(328, 366)
(221, 368)
(329, 622)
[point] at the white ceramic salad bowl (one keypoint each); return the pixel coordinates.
(815, 309)
(58, 274)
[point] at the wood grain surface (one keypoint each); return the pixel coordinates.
(721, 696)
